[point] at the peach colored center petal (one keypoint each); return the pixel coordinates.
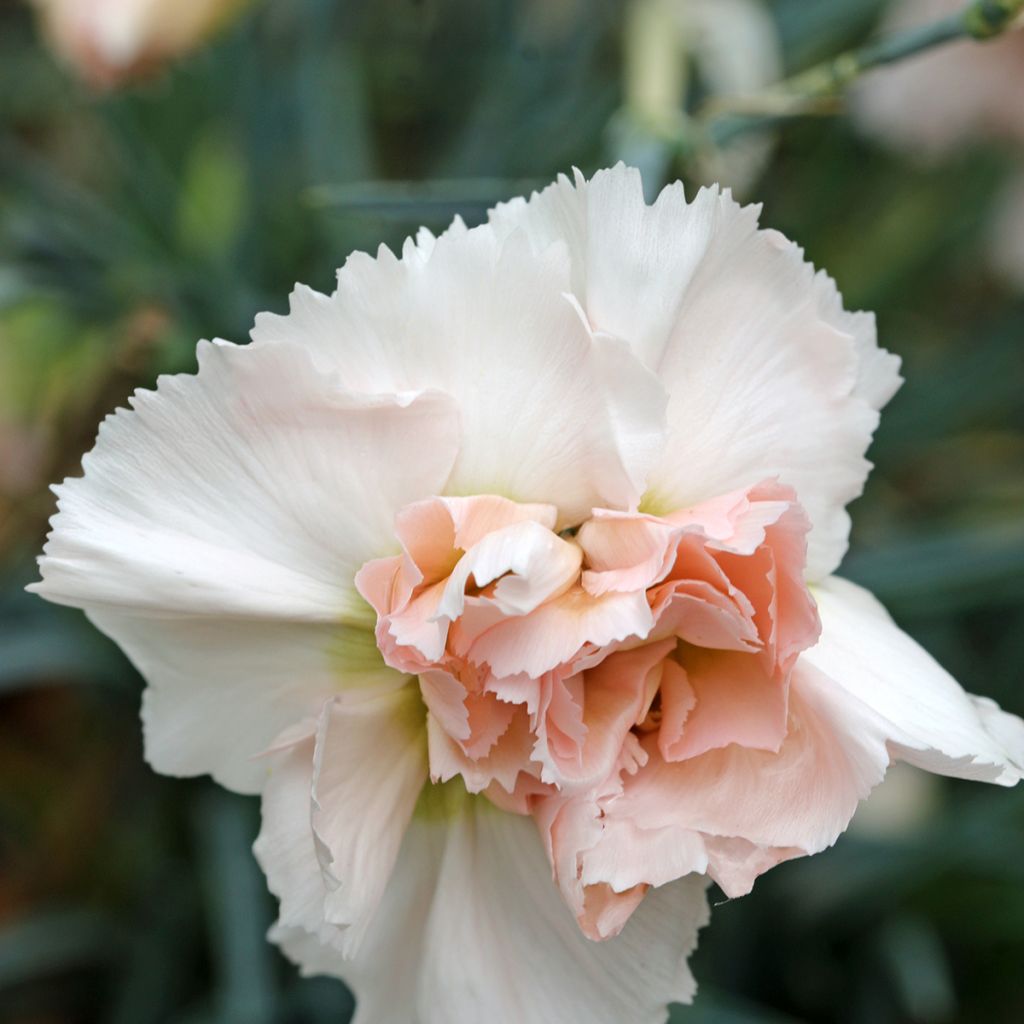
(555, 666)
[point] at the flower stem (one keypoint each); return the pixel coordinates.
(818, 89)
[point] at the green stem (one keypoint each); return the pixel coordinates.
(817, 90)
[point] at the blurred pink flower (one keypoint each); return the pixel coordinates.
(504, 575)
(955, 94)
(108, 42)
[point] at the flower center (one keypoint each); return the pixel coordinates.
(552, 662)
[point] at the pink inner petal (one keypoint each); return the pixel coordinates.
(627, 684)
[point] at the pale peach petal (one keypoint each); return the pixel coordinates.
(502, 764)
(802, 796)
(677, 701)
(488, 559)
(733, 812)
(605, 911)
(375, 582)
(625, 552)
(517, 689)
(611, 700)
(698, 613)
(476, 517)
(445, 697)
(555, 632)
(436, 531)
(735, 701)
(414, 638)
(627, 856)
(770, 575)
(735, 864)
(530, 564)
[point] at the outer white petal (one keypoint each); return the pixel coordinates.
(385, 973)
(928, 719)
(221, 690)
(767, 375)
(253, 489)
(369, 766)
(473, 929)
(549, 413)
(502, 947)
(335, 810)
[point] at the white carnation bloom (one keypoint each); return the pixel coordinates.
(490, 572)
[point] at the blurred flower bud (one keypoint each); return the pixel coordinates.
(108, 42)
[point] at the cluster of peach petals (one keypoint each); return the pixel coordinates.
(588, 679)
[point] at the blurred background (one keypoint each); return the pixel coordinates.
(167, 185)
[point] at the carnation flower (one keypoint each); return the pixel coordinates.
(503, 574)
(110, 41)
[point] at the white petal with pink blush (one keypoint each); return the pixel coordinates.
(510, 562)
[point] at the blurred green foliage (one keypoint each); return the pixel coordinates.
(131, 224)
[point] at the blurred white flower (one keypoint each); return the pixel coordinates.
(108, 42)
(721, 47)
(503, 574)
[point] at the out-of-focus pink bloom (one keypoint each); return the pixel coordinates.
(955, 94)
(504, 575)
(110, 41)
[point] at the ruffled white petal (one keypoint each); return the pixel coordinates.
(253, 489)
(221, 690)
(502, 947)
(472, 929)
(549, 413)
(928, 719)
(369, 765)
(385, 973)
(335, 810)
(767, 374)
